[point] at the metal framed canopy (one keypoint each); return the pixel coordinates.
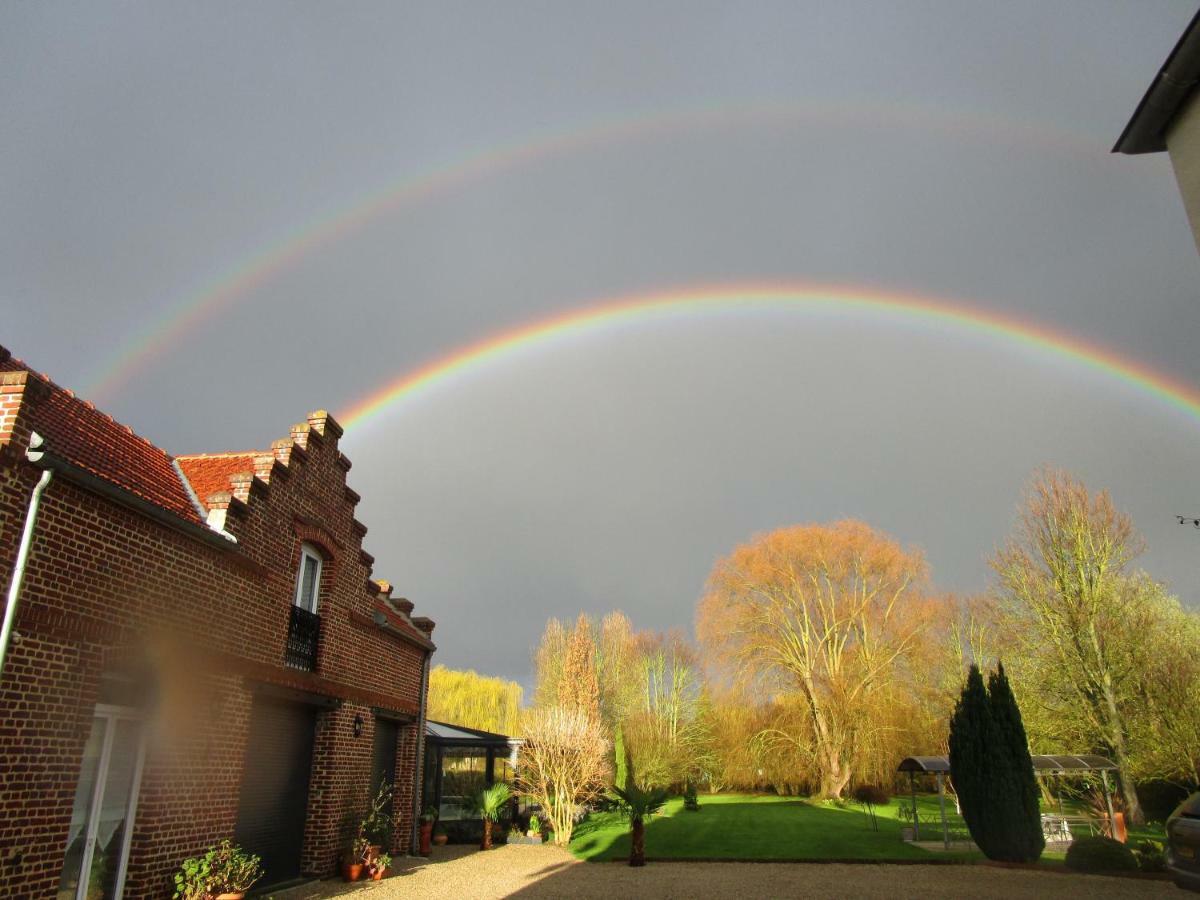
(1043, 764)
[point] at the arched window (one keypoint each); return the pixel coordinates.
(308, 580)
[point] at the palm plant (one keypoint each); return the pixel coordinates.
(638, 805)
(488, 804)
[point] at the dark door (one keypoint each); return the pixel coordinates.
(383, 759)
(273, 805)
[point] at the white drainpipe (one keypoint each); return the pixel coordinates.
(33, 454)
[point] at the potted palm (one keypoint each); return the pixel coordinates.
(488, 804)
(428, 819)
(639, 805)
(224, 872)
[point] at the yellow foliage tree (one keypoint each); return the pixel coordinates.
(474, 700)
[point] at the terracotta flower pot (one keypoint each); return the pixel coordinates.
(377, 875)
(234, 895)
(439, 840)
(352, 871)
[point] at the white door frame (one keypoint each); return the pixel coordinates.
(111, 716)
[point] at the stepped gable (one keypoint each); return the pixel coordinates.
(85, 437)
(232, 487)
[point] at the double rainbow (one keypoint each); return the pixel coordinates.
(191, 311)
(936, 315)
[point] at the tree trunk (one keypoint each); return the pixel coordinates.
(637, 849)
(486, 843)
(834, 776)
(1133, 809)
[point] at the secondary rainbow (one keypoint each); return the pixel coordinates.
(933, 314)
(190, 311)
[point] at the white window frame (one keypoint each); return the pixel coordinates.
(308, 551)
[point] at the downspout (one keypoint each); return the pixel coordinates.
(33, 454)
(419, 768)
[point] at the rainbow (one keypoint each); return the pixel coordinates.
(190, 311)
(634, 310)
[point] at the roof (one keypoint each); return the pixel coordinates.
(1147, 130)
(93, 441)
(1041, 763)
(209, 473)
(461, 736)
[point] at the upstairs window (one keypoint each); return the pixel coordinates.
(308, 582)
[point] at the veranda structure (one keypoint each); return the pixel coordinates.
(939, 766)
(460, 761)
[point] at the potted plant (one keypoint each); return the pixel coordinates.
(535, 828)
(368, 835)
(428, 819)
(439, 836)
(355, 859)
(377, 824)
(378, 865)
(224, 872)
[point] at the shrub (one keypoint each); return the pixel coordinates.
(1151, 856)
(1100, 854)
(225, 868)
(690, 801)
(872, 795)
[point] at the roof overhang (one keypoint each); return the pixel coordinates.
(1147, 130)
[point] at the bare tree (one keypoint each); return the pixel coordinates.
(564, 764)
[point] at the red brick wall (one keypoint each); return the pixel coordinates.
(105, 582)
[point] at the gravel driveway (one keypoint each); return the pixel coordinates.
(533, 872)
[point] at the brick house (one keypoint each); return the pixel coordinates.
(199, 652)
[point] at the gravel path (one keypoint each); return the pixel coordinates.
(538, 872)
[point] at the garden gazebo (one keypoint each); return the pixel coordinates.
(939, 766)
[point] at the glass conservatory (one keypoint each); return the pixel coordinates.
(460, 761)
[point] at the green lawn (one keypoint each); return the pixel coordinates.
(752, 826)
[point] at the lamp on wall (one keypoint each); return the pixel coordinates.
(358, 724)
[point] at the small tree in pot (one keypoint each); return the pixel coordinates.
(638, 805)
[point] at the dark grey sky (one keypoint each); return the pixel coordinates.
(955, 149)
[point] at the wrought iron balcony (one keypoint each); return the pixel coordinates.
(304, 633)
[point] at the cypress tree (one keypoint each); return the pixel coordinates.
(1018, 831)
(970, 737)
(993, 772)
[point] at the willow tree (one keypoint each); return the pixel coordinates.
(825, 614)
(1081, 615)
(474, 700)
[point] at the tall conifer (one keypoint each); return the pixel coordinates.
(970, 736)
(1018, 815)
(993, 772)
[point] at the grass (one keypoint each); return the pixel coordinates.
(762, 827)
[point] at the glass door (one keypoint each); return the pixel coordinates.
(105, 802)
